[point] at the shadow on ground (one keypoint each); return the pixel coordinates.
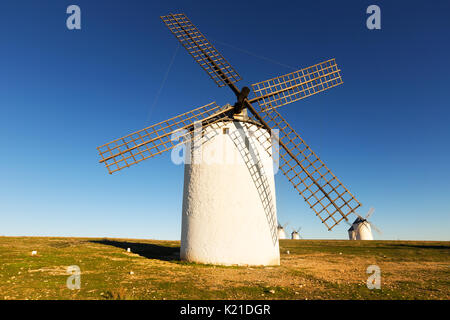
(146, 250)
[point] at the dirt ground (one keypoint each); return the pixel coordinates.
(313, 269)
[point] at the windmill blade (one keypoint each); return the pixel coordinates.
(203, 52)
(320, 188)
(374, 227)
(279, 91)
(156, 139)
(371, 211)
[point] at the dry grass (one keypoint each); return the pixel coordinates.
(314, 269)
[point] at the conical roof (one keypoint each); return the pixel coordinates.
(357, 221)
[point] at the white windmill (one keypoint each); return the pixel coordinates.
(281, 230)
(229, 207)
(295, 234)
(361, 229)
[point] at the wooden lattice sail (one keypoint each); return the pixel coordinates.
(158, 138)
(321, 189)
(294, 86)
(203, 52)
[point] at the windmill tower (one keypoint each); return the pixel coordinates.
(361, 228)
(281, 230)
(295, 235)
(229, 209)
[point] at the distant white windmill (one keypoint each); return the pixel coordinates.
(295, 235)
(281, 232)
(361, 229)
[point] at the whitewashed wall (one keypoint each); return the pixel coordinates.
(223, 217)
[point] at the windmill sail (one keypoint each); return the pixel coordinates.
(371, 211)
(279, 91)
(156, 139)
(320, 188)
(203, 52)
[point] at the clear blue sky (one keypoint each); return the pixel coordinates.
(385, 132)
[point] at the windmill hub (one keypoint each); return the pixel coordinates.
(241, 96)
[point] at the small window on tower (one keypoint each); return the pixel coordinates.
(225, 130)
